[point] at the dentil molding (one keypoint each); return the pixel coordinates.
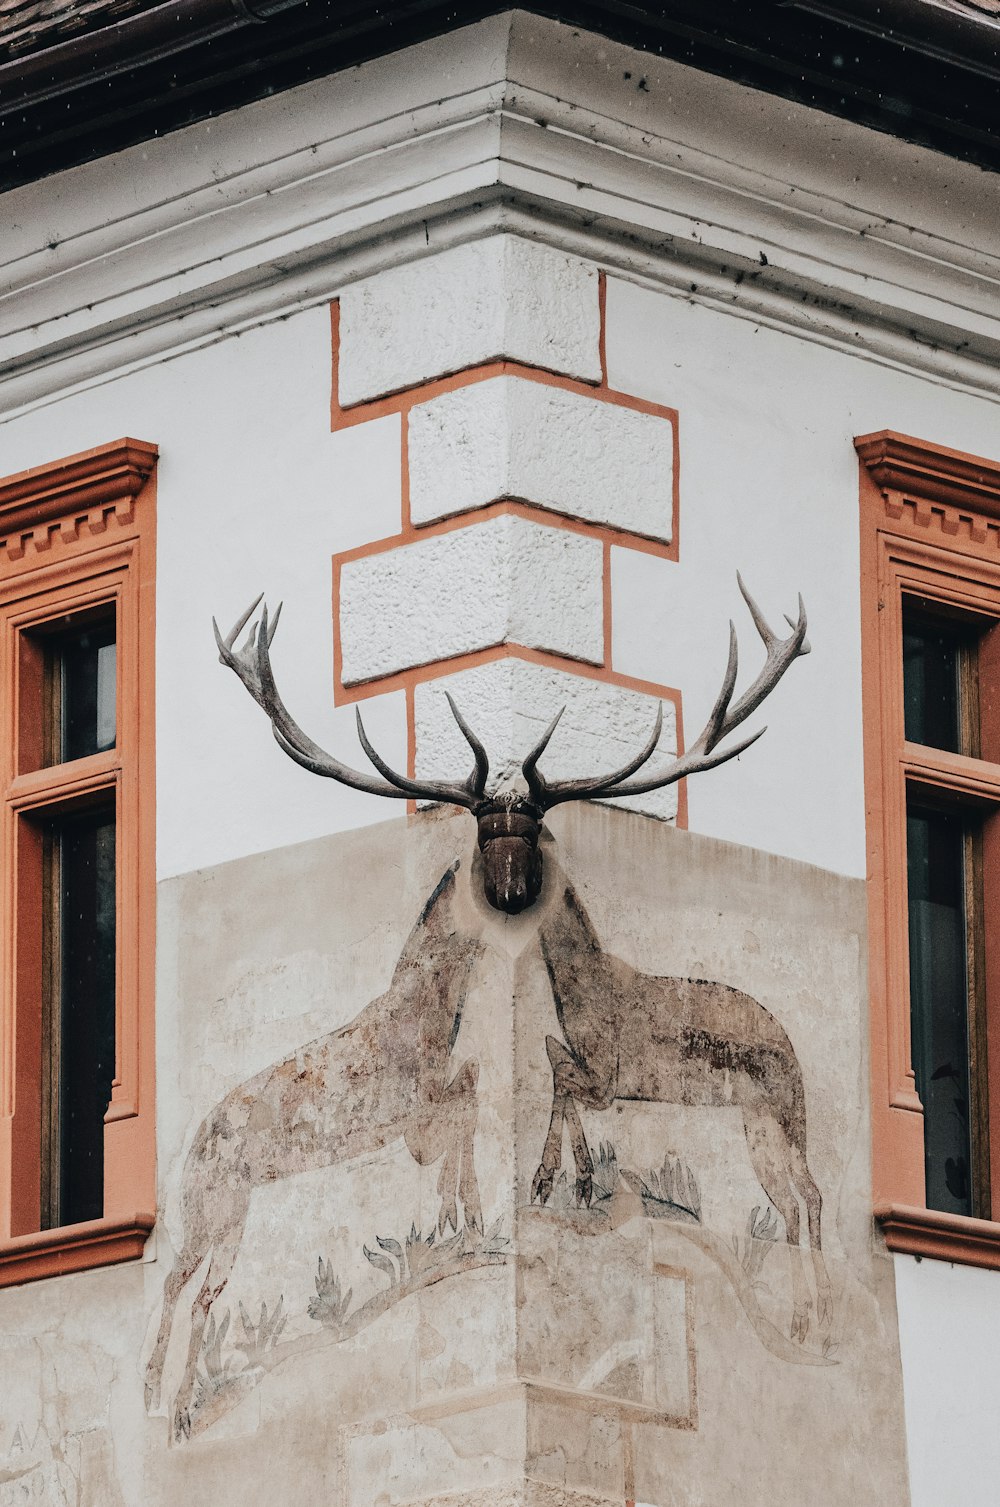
(713, 191)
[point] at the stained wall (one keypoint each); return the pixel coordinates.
(640, 1346)
(616, 1349)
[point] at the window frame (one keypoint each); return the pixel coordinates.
(930, 529)
(76, 535)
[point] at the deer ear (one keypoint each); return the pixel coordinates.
(447, 879)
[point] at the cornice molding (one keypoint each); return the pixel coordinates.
(874, 246)
(73, 1248)
(943, 1237)
(104, 477)
(900, 463)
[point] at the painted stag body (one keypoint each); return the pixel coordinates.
(510, 822)
(633, 1036)
(387, 1075)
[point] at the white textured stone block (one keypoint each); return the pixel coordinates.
(500, 297)
(511, 437)
(505, 580)
(509, 703)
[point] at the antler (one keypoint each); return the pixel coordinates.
(704, 753)
(252, 664)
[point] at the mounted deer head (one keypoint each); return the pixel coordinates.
(510, 822)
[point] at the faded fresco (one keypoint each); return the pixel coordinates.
(387, 1075)
(629, 1036)
(454, 1201)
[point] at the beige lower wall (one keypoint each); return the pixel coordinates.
(388, 1316)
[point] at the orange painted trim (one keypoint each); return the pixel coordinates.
(915, 1231)
(100, 477)
(602, 326)
(922, 536)
(934, 769)
(100, 551)
(74, 1248)
(403, 400)
(606, 537)
(406, 680)
(507, 507)
(900, 463)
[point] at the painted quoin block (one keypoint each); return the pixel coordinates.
(502, 297)
(521, 468)
(511, 437)
(468, 589)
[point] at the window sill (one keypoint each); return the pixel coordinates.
(74, 1248)
(942, 1237)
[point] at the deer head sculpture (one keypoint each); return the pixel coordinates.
(510, 822)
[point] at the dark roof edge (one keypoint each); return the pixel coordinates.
(922, 70)
(148, 36)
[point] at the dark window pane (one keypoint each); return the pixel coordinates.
(86, 668)
(939, 1003)
(931, 665)
(85, 1011)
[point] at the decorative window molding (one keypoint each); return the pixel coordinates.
(77, 546)
(930, 535)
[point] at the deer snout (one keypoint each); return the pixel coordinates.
(512, 872)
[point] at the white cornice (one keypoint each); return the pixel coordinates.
(720, 193)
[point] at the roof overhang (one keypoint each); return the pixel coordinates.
(923, 70)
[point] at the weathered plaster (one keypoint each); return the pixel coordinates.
(640, 1347)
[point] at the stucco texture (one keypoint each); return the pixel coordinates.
(398, 1290)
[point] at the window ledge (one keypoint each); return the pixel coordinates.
(943, 1237)
(74, 1248)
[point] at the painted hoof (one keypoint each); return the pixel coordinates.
(541, 1188)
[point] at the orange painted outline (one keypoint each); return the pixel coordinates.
(407, 398)
(927, 528)
(76, 534)
(402, 402)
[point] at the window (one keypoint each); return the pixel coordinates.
(930, 532)
(77, 1146)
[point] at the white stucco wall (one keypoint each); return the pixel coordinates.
(769, 486)
(254, 493)
(949, 1336)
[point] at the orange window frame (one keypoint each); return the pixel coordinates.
(74, 536)
(930, 528)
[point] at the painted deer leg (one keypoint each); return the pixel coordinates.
(541, 1187)
(184, 1268)
(813, 1201)
(447, 1183)
(448, 1128)
(582, 1158)
(468, 1183)
(573, 1083)
(218, 1274)
(771, 1156)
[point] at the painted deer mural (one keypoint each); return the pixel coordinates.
(387, 1075)
(632, 1036)
(510, 822)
